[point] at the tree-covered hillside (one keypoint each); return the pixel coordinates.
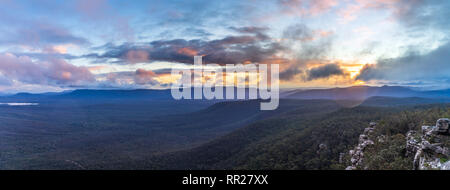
(307, 141)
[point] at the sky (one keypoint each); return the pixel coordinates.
(56, 45)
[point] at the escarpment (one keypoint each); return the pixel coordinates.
(430, 147)
(424, 149)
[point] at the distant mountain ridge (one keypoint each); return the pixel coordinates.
(129, 94)
(363, 92)
(92, 94)
(348, 93)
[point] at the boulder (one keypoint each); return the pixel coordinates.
(443, 125)
(425, 129)
(368, 130)
(362, 138)
(322, 148)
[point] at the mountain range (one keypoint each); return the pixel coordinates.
(363, 92)
(348, 93)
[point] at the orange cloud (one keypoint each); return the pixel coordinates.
(187, 51)
(144, 76)
(167, 78)
(66, 75)
(62, 49)
(145, 73)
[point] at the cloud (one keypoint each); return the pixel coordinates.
(411, 13)
(312, 46)
(324, 71)
(422, 15)
(127, 79)
(253, 46)
(93, 8)
(306, 7)
(38, 34)
(100, 11)
(137, 56)
(187, 51)
(290, 73)
(250, 29)
(258, 31)
(143, 76)
(53, 71)
(432, 66)
(298, 32)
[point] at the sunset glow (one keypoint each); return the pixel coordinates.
(320, 43)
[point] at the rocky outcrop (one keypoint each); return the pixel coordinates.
(442, 126)
(428, 148)
(322, 148)
(357, 154)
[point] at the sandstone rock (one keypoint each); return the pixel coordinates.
(357, 154)
(322, 147)
(368, 130)
(354, 160)
(412, 143)
(425, 129)
(446, 166)
(443, 125)
(429, 152)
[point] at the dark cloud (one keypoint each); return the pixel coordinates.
(324, 71)
(290, 73)
(410, 67)
(258, 31)
(254, 47)
(250, 29)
